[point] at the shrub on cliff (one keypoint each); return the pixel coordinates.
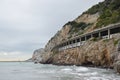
(77, 27)
(109, 11)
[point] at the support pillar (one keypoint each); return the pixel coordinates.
(75, 42)
(99, 35)
(80, 41)
(91, 36)
(108, 33)
(68, 44)
(85, 38)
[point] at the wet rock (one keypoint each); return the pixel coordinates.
(117, 66)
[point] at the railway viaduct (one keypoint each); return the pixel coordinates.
(105, 32)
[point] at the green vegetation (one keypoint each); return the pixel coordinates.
(108, 17)
(116, 42)
(70, 36)
(109, 12)
(80, 25)
(95, 9)
(94, 39)
(79, 33)
(77, 27)
(106, 40)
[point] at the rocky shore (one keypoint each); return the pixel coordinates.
(104, 53)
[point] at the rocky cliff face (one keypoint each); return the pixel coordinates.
(97, 53)
(92, 53)
(37, 55)
(117, 59)
(29, 60)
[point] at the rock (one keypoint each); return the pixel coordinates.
(97, 53)
(29, 60)
(117, 59)
(118, 48)
(117, 66)
(37, 55)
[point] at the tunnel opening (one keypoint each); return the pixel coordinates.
(83, 39)
(78, 40)
(73, 41)
(67, 43)
(96, 35)
(115, 30)
(70, 42)
(64, 44)
(88, 37)
(104, 33)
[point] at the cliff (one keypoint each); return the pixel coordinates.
(99, 52)
(96, 53)
(29, 60)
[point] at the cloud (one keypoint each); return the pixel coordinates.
(13, 56)
(9, 53)
(26, 25)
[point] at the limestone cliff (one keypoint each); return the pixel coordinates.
(97, 53)
(37, 55)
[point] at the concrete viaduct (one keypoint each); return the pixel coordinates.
(105, 32)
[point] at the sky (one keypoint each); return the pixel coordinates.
(27, 25)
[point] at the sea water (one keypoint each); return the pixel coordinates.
(31, 71)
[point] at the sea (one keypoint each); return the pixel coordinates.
(31, 71)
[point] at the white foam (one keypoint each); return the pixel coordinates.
(88, 74)
(66, 70)
(46, 71)
(81, 69)
(97, 78)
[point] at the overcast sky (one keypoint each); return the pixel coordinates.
(26, 25)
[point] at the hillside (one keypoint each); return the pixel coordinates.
(98, 16)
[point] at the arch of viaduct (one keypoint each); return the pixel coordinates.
(105, 32)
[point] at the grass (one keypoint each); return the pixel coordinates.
(116, 42)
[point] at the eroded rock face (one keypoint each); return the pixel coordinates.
(91, 53)
(117, 66)
(65, 33)
(88, 18)
(37, 55)
(96, 53)
(117, 59)
(118, 48)
(58, 38)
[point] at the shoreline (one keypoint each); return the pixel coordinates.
(93, 66)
